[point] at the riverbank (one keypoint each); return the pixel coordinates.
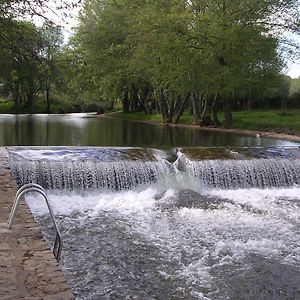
(28, 269)
(254, 123)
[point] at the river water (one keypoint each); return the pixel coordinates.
(139, 225)
(181, 221)
(87, 130)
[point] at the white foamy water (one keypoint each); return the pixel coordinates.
(149, 244)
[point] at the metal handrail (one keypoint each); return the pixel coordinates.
(32, 187)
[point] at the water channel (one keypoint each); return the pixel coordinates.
(163, 213)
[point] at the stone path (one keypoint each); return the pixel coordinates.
(28, 269)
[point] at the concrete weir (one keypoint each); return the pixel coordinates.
(28, 269)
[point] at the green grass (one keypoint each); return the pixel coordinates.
(39, 106)
(7, 108)
(155, 118)
(251, 120)
(138, 116)
(268, 120)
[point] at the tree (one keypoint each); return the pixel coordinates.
(52, 41)
(21, 70)
(294, 92)
(167, 53)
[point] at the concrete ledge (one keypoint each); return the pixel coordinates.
(28, 269)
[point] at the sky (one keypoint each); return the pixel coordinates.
(293, 67)
(294, 70)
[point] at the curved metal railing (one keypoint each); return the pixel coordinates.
(32, 187)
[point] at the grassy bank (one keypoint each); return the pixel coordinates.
(57, 106)
(268, 120)
(271, 120)
(39, 107)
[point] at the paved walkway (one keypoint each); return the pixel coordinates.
(28, 269)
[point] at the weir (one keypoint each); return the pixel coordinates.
(82, 175)
(256, 173)
(195, 223)
(115, 169)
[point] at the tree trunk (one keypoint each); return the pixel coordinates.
(249, 101)
(134, 100)
(196, 109)
(48, 96)
(157, 107)
(166, 107)
(283, 105)
(144, 99)
(227, 112)
(171, 107)
(30, 96)
(214, 111)
(163, 107)
(204, 107)
(181, 108)
(125, 101)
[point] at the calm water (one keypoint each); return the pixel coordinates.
(79, 130)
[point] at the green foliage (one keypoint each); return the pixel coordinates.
(153, 56)
(20, 69)
(7, 107)
(160, 54)
(28, 54)
(27, 64)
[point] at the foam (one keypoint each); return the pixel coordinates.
(195, 245)
(93, 203)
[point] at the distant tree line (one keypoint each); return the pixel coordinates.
(162, 56)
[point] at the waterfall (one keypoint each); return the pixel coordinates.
(127, 168)
(81, 175)
(232, 174)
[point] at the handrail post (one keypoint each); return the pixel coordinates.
(32, 187)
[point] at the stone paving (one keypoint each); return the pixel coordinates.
(28, 269)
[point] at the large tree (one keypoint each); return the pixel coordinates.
(21, 70)
(170, 52)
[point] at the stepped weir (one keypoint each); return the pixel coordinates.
(126, 168)
(190, 223)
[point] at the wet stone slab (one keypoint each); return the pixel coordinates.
(28, 269)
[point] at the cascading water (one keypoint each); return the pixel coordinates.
(233, 174)
(231, 234)
(82, 175)
(121, 172)
(95, 173)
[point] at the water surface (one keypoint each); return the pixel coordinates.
(80, 130)
(158, 233)
(137, 226)
(179, 244)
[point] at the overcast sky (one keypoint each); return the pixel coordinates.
(294, 70)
